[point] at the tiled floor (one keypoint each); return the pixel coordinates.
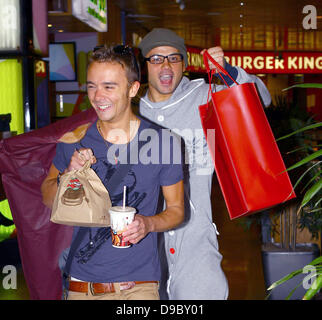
(241, 259)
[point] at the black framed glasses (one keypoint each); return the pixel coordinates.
(159, 59)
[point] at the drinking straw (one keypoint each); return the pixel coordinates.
(124, 195)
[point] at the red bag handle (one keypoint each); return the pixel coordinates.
(207, 56)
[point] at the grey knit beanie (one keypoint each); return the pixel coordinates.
(163, 37)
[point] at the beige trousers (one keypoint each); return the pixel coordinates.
(142, 291)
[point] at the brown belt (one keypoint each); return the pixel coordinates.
(101, 288)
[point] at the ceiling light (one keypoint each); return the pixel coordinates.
(49, 25)
(181, 4)
(60, 30)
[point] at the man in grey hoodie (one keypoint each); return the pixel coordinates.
(190, 252)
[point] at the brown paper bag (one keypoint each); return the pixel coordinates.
(81, 200)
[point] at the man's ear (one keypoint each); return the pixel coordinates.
(135, 86)
(183, 66)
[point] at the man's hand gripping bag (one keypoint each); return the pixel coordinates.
(81, 200)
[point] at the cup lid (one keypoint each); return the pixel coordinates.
(122, 209)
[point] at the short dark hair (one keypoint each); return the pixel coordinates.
(121, 54)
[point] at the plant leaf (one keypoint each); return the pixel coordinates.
(309, 158)
(315, 205)
(313, 178)
(299, 149)
(302, 176)
(314, 210)
(317, 260)
(312, 126)
(305, 85)
(314, 289)
(285, 278)
(292, 291)
(311, 192)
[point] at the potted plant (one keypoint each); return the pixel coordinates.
(280, 260)
(310, 216)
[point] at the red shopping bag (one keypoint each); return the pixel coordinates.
(248, 163)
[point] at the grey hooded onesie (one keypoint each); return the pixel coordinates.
(191, 251)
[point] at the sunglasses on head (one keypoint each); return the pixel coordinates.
(123, 50)
(119, 49)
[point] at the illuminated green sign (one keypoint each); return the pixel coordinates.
(11, 97)
(92, 12)
(6, 231)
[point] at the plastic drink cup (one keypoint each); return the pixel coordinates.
(121, 217)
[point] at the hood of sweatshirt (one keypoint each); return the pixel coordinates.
(185, 89)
